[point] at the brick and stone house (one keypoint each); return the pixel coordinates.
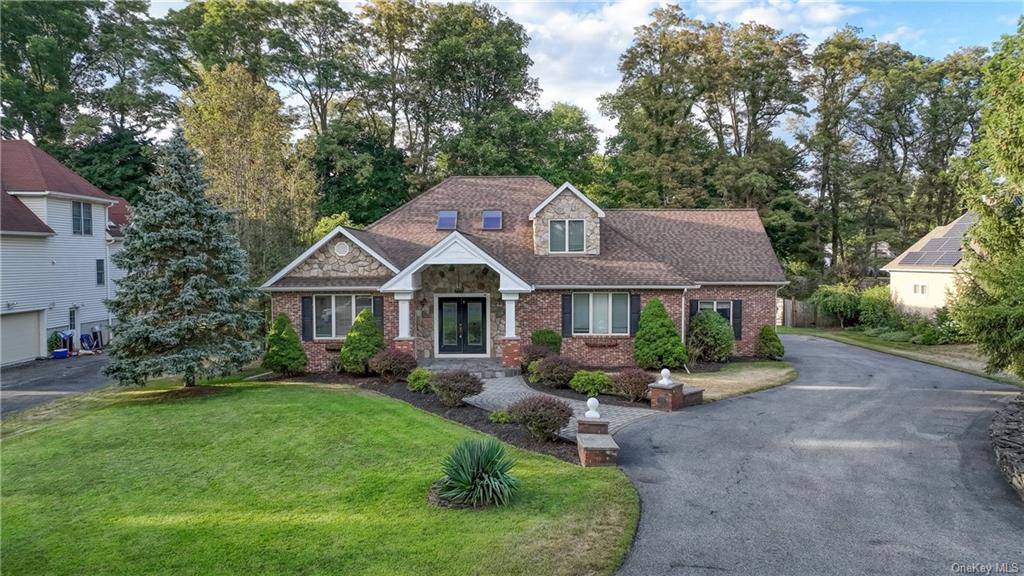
(473, 266)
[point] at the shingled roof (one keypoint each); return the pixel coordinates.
(654, 248)
(18, 219)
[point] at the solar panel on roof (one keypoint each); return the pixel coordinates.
(948, 259)
(929, 258)
(934, 244)
(951, 245)
(911, 258)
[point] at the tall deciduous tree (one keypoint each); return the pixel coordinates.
(119, 162)
(991, 302)
(317, 54)
(238, 124)
(184, 305)
(568, 145)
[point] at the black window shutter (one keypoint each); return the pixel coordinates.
(634, 313)
(693, 308)
(378, 311)
(307, 318)
(566, 314)
(737, 319)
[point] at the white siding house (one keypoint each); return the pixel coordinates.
(55, 269)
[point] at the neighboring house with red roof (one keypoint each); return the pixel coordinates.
(923, 278)
(472, 267)
(57, 234)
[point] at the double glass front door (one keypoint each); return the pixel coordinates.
(462, 325)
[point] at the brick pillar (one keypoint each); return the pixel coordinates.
(407, 345)
(510, 355)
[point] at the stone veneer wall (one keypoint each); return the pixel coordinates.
(324, 262)
(543, 309)
(452, 279)
(322, 353)
(567, 206)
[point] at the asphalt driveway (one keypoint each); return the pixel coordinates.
(866, 464)
(43, 381)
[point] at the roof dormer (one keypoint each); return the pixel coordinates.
(567, 223)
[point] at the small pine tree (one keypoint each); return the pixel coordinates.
(657, 344)
(768, 343)
(710, 337)
(184, 305)
(363, 341)
(284, 349)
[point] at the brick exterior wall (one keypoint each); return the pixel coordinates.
(322, 353)
(543, 309)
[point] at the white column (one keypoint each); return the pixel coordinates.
(510, 314)
(404, 323)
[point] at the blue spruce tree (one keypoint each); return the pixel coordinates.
(184, 305)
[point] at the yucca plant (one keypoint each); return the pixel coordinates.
(476, 473)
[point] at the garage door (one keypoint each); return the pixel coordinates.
(19, 337)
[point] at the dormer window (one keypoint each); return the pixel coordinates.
(447, 219)
(492, 220)
(567, 236)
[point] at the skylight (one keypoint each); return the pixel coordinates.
(446, 219)
(492, 220)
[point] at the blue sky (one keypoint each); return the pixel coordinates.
(575, 46)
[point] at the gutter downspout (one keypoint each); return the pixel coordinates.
(685, 309)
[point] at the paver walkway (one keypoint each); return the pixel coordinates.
(500, 393)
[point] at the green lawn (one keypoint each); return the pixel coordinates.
(284, 479)
(962, 357)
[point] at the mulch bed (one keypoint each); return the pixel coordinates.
(474, 417)
(1007, 435)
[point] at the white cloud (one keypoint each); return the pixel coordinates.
(903, 35)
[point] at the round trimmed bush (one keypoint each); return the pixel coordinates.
(876, 308)
(632, 383)
(476, 473)
(590, 383)
(547, 338)
(542, 416)
(364, 340)
(392, 364)
(531, 353)
(453, 386)
(768, 343)
(553, 371)
(284, 349)
(418, 380)
(657, 344)
(710, 337)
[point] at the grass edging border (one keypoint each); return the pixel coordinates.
(1007, 435)
(835, 337)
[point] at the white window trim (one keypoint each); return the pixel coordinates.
(81, 218)
(590, 319)
(567, 250)
(714, 304)
(101, 270)
(334, 325)
(921, 289)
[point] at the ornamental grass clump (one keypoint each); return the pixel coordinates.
(454, 386)
(419, 381)
(542, 416)
(658, 344)
(768, 343)
(364, 340)
(590, 383)
(284, 353)
(710, 337)
(392, 365)
(477, 473)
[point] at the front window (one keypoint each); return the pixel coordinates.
(723, 307)
(81, 218)
(100, 273)
(567, 236)
(920, 289)
(600, 313)
(334, 313)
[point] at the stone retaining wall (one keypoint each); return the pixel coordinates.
(1007, 434)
